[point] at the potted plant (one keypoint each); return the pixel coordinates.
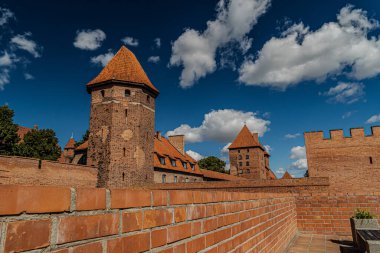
(362, 220)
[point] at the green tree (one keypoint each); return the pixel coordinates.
(84, 138)
(8, 131)
(212, 163)
(41, 144)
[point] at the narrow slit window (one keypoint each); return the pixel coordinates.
(124, 152)
(126, 116)
(102, 93)
(163, 178)
(123, 176)
(147, 98)
(370, 160)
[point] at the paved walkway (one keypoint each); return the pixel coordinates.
(321, 244)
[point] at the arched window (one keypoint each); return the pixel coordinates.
(240, 157)
(175, 179)
(163, 178)
(248, 171)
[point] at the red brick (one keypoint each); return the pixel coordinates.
(179, 248)
(87, 248)
(160, 198)
(27, 235)
(195, 245)
(60, 251)
(179, 214)
(159, 237)
(156, 218)
(132, 221)
(180, 197)
(34, 199)
(196, 212)
(196, 228)
(75, 228)
(90, 199)
(129, 244)
(179, 232)
(170, 250)
(122, 198)
(210, 224)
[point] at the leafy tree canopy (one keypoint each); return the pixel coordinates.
(8, 131)
(84, 138)
(212, 163)
(41, 144)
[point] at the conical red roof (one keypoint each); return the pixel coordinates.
(125, 67)
(70, 143)
(245, 139)
(287, 176)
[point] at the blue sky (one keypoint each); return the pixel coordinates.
(283, 67)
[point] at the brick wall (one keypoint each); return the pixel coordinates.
(120, 220)
(329, 213)
(349, 161)
(29, 171)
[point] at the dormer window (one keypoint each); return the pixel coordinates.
(162, 160)
(192, 166)
(127, 93)
(173, 163)
(184, 165)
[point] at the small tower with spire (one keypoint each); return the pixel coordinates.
(121, 136)
(69, 150)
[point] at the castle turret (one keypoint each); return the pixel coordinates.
(122, 122)
(69, 151)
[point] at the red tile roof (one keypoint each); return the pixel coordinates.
(163, 148)
(124, 67)
(270, 174)
(287, 176)
(82, 146)
(245, 139)
(21, 131)
(70, 144)
(221, 176)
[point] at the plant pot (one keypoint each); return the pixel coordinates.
(357, 224)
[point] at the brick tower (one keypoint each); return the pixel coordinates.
(122, 123)
(248, 158)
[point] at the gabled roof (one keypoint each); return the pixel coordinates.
(245, 139)
(82, 146)
(124, 67)
(287, 176)
(70, 143)
(221, 176)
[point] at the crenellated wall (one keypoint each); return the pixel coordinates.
(351, 162)
(30, 171)
(122, 220)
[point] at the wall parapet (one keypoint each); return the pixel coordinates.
(338, 134)
(124, 220)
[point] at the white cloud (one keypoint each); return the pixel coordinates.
(130, 41)
(89, 39)
(154, 59)
(102, 59)
(345, 93)
(222, 126)
(373, 119)
(268, 148)
(5, 15)
(28, 76)
(336, 48)
(196, 51)
(292, 136)
(194, 155)
(157, 42)
(280, 171)
(6, 63)
(6, 60)
(25, 43)
(4, 77)
(298, 153)
(225, 149)
(347, 114)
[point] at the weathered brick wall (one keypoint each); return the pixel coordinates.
(28, 171)
(120, 220)
(351, 163)
(329, 213)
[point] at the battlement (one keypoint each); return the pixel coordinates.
(338, 134)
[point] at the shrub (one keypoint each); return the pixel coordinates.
(362, 214)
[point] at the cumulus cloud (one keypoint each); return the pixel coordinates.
(345, 93)
(102, 59)
(5, 16)
(280, 171)
(25, 43)
(268, 148)
(298, 153)
(89, 39)
(154, 59)
(292, 136)
(157, 42)
(130, 41)
(222, 126)
(196, 51)
(299, 54)
(373, 119)
(225, 149)
(7, 61)
(4, 77)
(194, 155)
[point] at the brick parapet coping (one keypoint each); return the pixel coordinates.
(68, 220)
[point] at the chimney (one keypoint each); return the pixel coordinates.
(158, 135)
(178, 141)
